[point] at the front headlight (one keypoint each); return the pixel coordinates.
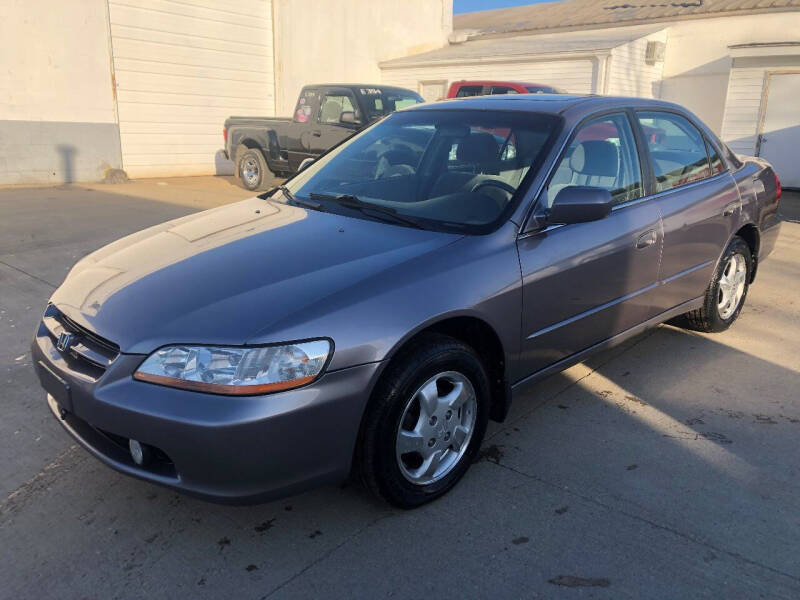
(235, 371)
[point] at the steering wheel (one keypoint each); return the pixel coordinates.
(494, 183)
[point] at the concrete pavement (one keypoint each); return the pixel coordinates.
(665, 468)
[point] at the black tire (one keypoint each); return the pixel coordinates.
(707, 318)
(251, 169)
(376, 461)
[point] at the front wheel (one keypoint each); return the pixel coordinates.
(425, 422)
(726, 292)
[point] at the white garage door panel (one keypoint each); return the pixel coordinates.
(182, 67)
(780, 138)
(185, 70)
(247, 60)
(198, 86)
(196, 100)
(190, 20)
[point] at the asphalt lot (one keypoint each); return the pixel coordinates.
(665, 468)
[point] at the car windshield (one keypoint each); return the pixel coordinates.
(441, 169)
(382, 101)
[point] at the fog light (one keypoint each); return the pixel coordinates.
(140, 453)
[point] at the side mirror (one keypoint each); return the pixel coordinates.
(348, 117)
(580, 204)
(306, 162)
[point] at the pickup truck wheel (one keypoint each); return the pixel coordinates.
(251, 168)
(726, 292)
(425, 422)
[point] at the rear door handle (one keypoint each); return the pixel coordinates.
(316, 133)
(648, 238)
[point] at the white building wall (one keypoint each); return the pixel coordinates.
(572, 75)
(698, 62)
(57, 117)
(629, 73)
(181, 69)
(345, 41)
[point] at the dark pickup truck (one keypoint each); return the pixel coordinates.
(324, 116)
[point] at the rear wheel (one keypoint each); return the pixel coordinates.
(251, 168)
(726, 292)
(425, 422)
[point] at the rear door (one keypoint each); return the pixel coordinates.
(586, 282)
(698, 200)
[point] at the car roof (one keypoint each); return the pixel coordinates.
(499, 82)
(546, 103)
(353, 86)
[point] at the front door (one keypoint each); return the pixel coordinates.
(330, 130)
(780, 137)
(586, 282)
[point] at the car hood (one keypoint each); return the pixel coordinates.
(221, 276)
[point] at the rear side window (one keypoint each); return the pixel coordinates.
(502, 89)
(469, 90)
(677, 148)
(602, 154)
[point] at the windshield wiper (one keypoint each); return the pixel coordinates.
(350, 201)
(305, 203)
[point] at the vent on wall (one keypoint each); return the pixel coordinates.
(655, 52)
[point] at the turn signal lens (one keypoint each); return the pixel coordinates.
(236, 371)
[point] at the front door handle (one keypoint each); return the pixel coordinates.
(730, 209)
(648, 238)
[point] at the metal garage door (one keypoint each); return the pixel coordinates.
(780, 132)
(181, 68)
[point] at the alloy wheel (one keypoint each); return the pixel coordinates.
(731, 285)
(436, 428)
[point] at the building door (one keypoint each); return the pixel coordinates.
(432, 91)
(780, 132)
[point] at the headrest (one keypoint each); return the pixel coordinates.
(595, 157)
(479, 148)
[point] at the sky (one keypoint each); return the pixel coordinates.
(462, 6)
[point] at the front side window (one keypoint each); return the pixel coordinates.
(677, 148)
(443, 169)
(602, 154)
(333, 105)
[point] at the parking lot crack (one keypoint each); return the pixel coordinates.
(31, 275)
(325, 555)
(650, 522)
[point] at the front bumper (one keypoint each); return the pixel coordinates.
(220, 448)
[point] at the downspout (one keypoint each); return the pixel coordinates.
(113, 81)
(275, 59)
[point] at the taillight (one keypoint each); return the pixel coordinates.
(224, 134)
(778, 189)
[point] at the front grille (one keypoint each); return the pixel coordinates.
(84, 346)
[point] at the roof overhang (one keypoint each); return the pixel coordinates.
(504, 58)
(765, 49)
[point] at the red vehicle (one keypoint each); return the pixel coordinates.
(463, 89)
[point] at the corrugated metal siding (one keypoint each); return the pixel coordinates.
(575, 76)
(182, 67)
(630, 75)
(743, 108)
